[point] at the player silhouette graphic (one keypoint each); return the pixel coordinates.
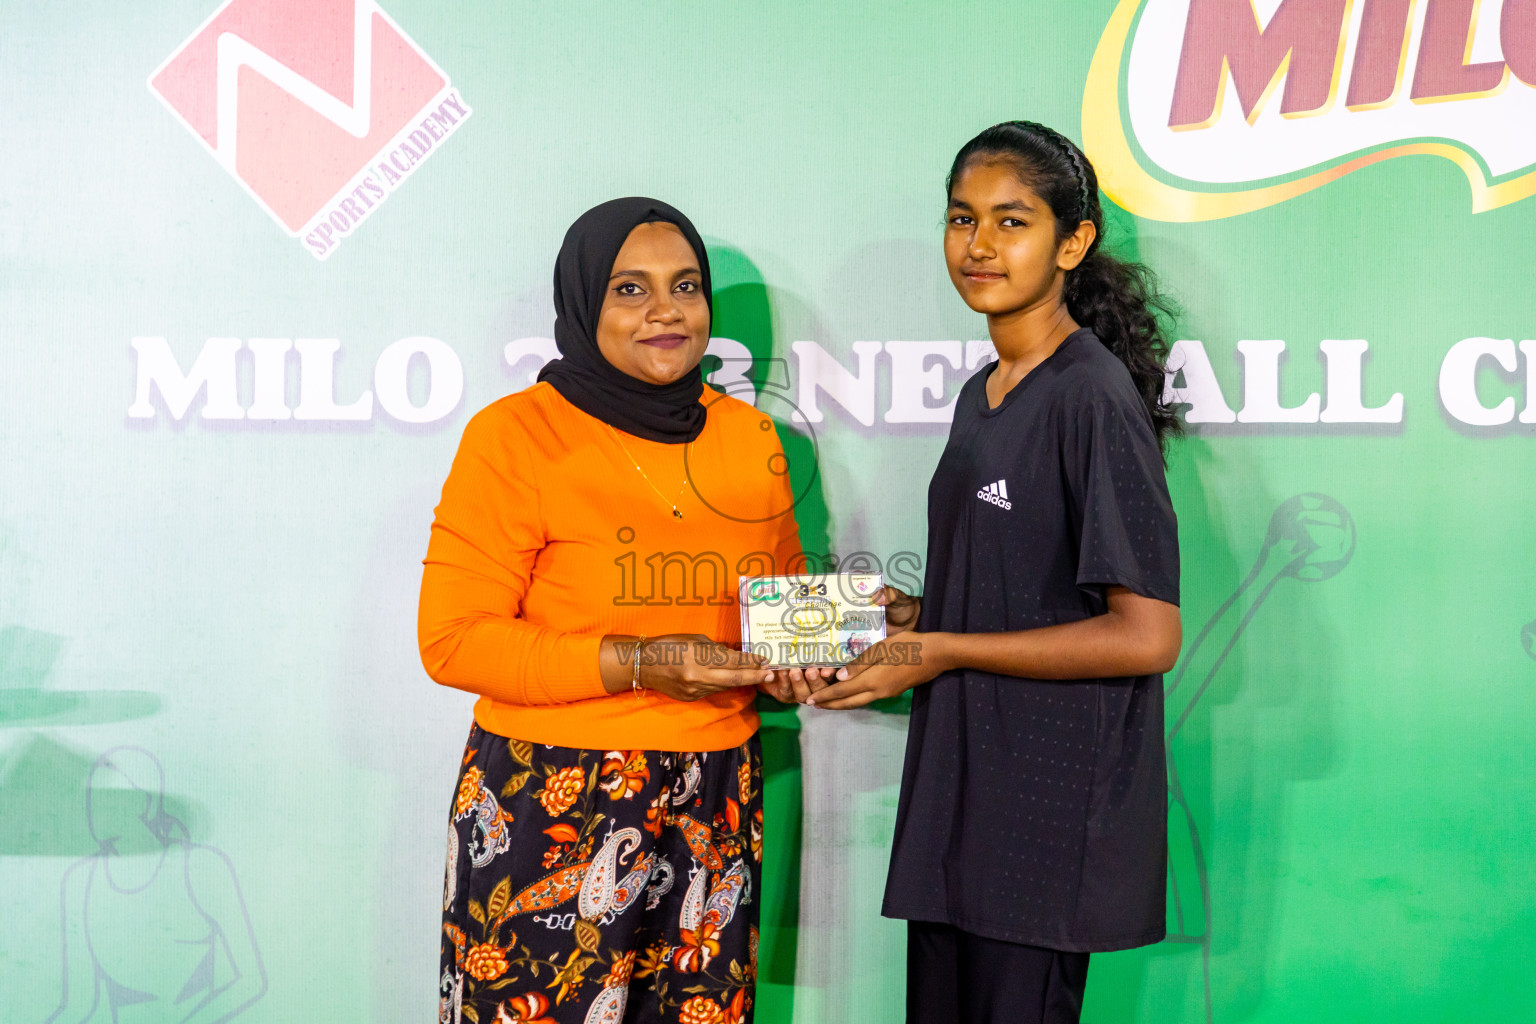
(155, 927)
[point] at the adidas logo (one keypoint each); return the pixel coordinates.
(996, 493)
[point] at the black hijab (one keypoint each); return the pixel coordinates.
(670, 413)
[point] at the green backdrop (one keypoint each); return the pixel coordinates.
(225, 607)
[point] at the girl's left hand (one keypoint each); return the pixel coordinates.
(901, 610)
(888, 669)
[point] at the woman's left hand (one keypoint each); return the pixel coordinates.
(888, 669)
(791, 685)
(777, 686)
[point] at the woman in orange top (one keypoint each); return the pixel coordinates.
(605, 841)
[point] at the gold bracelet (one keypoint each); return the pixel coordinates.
(634, 682)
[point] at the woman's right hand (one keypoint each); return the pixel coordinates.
(683, 666)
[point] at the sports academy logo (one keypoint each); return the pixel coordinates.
(997, 494)
(319, 108)
(1201, 109)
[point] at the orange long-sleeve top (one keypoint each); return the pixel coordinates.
(547, 538)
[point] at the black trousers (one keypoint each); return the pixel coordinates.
(954, 977)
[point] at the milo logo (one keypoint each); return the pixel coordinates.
(763, 590)
(1200, 109)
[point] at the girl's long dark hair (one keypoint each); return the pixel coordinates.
(1119, 300)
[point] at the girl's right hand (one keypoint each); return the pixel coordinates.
(901, 610)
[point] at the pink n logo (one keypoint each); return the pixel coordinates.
(320, 108)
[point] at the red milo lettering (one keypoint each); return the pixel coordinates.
(1303, 43)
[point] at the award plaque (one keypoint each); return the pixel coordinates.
(811, 619)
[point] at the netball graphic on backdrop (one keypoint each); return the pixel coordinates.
(1200, 109)
(320, 108)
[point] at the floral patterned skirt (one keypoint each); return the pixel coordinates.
(600, 887)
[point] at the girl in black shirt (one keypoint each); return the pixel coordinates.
(1032, 824)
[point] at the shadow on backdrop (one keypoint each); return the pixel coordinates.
(743, 311)
(1311, 538)
(410, 757)
(1222, 888)
(39, 776)
(27, 658)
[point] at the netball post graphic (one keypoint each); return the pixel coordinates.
(320, 110)
(1200, 109)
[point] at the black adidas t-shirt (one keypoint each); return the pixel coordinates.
(1036, 811)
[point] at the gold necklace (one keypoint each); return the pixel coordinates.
(677, 514)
